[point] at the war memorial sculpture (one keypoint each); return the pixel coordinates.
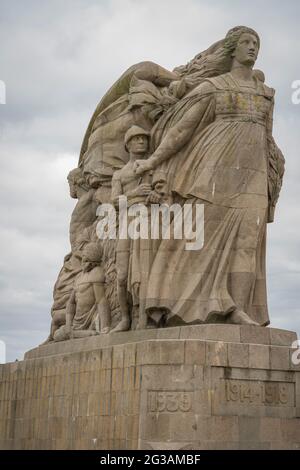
(159, 336)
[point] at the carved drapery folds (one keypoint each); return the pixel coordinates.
(201, 134)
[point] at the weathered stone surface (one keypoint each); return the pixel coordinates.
(153, 344)
(226, 333)
(252, 334)
(282, 337)
(153, 394)
(259, 356)
(238, 355)
(148, 121)
(279, 358)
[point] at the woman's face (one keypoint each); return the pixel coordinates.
(246, 50)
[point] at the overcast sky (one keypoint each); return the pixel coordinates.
(57, 60)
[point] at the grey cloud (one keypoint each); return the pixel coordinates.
(58, 59)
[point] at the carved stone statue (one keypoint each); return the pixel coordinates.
(215, 147)
(82, 188)
(200, 135)
(138, 190)
(87, 310)
(178, 177)
(84, 214)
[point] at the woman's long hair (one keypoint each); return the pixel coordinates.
(215, 60)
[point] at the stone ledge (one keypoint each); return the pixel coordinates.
(181, 391)
(208, 332)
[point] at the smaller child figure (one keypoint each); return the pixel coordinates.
(88, 310)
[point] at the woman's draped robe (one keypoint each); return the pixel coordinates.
(225, 166)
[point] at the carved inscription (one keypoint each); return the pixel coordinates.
(259, 392)
(169, 401)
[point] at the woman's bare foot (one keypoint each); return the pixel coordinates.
(105, 330)
(124, 325)
(238, 317)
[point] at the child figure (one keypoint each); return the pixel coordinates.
(88, 310)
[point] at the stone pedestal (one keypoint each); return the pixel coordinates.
(193, 387)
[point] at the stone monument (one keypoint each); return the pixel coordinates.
(158, 341)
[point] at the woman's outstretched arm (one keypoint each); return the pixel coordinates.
(179, 135)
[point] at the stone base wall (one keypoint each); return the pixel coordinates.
(200, 387)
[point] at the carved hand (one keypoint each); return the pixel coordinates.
(141, 166)
(143, 189)
(153, 198)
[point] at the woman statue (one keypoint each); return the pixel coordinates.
(215, 147)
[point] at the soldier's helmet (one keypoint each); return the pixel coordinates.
(132, 132)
